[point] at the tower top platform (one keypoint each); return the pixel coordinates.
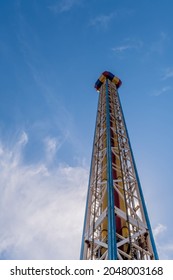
(107, 75)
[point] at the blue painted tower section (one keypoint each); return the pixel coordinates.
(112, 247)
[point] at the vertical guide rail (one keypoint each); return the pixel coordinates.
(112, 247)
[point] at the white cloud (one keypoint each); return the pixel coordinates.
(23, 139)
(12, 157)
(164, 243)
(101, 20)
(159, 229)
(168, 73)
(169, 247)
(64, 6)
(165, 249)
(121, 48)
(158, 46)
(161, 91)
(128, 45)
(41, 209)
(51, 146)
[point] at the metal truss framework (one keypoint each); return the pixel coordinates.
(116, 222)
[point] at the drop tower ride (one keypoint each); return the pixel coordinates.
(116, 224)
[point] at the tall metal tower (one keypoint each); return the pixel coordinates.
(116, 225)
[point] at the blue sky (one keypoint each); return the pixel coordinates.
(51, 53)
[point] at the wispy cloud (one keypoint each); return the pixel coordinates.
(161, 91)
(102, 20)
(164, 242)
(52, 145)
(128, 44)
(159, 229)
(122, 48)
(168, 73)
(63, 6)
(169, 247)
(40, 206)
(165, 250)
(158, 45)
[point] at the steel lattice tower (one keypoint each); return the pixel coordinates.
(116, 225)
